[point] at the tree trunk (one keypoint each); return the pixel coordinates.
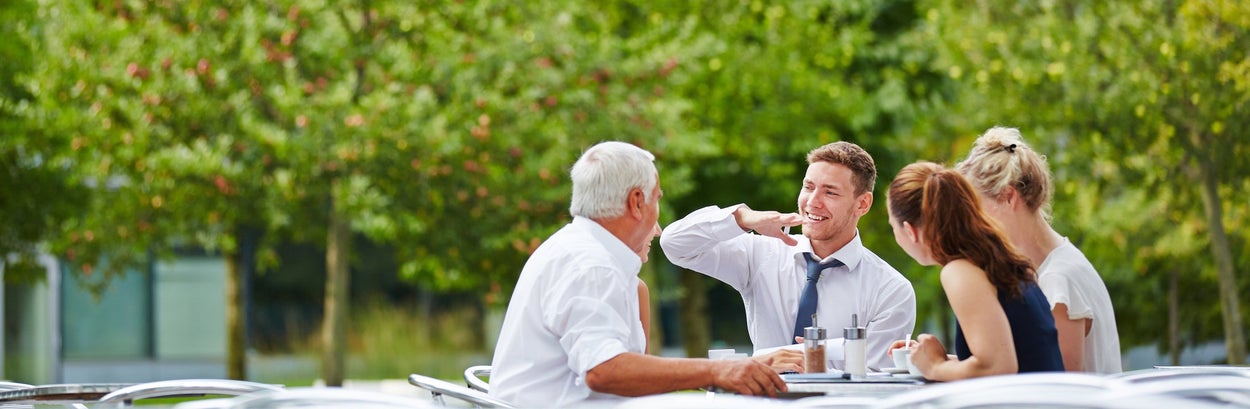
(1230, 305)
(240, 263)
(240, 267)
(334, 327)
(1174, 325)
(694, 315)
(236, 359)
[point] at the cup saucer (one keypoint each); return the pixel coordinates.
(894, 371)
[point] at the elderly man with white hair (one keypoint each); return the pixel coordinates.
(572, 331)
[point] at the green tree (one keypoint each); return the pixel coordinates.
(461, 122)
(37, 192)
(234, 126)
(773, 81)
(1143, 106)
(163, 130)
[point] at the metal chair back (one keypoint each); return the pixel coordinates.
(473, 377)
(184, 387)
(438, 388)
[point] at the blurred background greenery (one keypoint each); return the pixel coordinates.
(376, 172)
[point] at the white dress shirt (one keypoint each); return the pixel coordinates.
(771, 275)
(575, 306)
(1067, 277)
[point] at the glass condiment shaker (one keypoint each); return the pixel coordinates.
(814, 348)
(855, 340)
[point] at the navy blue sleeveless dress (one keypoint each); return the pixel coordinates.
(1032, 330)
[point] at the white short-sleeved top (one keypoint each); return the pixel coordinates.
(771, 276)
(1068, 278)
(575, 306)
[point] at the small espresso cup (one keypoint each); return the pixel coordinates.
(718, 354)
(902, 358)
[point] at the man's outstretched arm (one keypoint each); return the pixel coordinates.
(631, 374)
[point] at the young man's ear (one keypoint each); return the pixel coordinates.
(863, 203)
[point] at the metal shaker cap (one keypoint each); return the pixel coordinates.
(854, 331)
(814, 332)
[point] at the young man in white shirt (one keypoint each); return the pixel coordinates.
(770, 268)
(572, 331)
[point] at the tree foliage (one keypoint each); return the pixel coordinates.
(1143, 107)
(37, 189)
(443, 131)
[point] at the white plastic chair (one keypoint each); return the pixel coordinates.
(681, 400)
(1221, 389)
(311, 398)
(438, 388)
(1018, 389)
(1166, 374)
(473, 377)
(9, 386)
(836, 402)
(183, 387)
(69, 395)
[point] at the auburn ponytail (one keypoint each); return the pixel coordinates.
(946, 209)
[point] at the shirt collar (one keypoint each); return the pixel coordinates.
(624, 257)
(850, 254)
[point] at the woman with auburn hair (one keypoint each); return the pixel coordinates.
(1003, 323)
(1013, 182)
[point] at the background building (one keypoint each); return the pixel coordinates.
(163, 323)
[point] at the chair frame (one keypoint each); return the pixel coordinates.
(473, 377)
(936, 393)
(438, 388)
(319, 397)
(184, 387)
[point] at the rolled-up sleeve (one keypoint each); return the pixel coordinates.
(895, 317)
(592, 318)
(702, 241)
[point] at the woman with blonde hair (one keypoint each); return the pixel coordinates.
(1002, 320)
(1013, 182)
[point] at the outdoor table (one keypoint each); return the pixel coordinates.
(78, 393)
(877, 385)
(834, 384)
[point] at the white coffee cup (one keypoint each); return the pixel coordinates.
(715, 354)
(901, 358)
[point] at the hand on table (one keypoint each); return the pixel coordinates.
(928, 353)
(782, 360)
(747, 377)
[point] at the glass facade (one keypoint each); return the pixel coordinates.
(114, 324)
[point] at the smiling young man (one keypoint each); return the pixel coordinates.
(771, 268)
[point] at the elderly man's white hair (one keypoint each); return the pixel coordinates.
(604, 175)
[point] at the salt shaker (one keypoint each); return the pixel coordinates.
(814, 348)
(855, 345)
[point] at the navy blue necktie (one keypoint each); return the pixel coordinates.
(808, 301)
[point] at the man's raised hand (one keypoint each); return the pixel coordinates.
(768, 223)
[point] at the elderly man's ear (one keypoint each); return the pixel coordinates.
(636, 200)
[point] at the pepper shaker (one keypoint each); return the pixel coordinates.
(814, 348)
